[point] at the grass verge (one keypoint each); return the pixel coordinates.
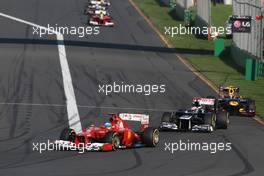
(219, 70)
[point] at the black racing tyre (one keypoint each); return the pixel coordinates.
(68, 134)
(210, 119)
(251, 106)
(222, 120)
(151, 137)
(166, 117)
(112, 138)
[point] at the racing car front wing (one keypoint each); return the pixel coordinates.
(195, 128)
(67, 145)
(96, 23)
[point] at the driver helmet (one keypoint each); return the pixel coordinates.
(101, 15)
(196, 104)
(107, 124)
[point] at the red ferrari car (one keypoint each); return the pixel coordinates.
(99, 20)
(113, 135)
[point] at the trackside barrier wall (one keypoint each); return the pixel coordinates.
(239, 55)
(219, 46)
(245, 60)
(250, 42)
(166, 2)
(181, 6)
(251, 69)
(203, 16)
(260, 68)
(246, 46)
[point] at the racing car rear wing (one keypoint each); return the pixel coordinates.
(205, 101)
(230, 91)
(228, 88)
(142, 118)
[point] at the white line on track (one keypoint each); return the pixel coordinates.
(89, 107)
(72, 110)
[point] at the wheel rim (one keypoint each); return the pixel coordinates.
(227, 116)
(214, 121)
(155, 137)
(115, 142)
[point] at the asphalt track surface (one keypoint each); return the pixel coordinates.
(131, 53)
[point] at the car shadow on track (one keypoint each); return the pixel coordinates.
(107, 46)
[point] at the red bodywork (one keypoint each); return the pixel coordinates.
(97, 133)
(105, 20)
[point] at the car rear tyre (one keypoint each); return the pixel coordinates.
(252, 106)
(210, 119)
(68, 134)
(151, 137)
(222, 120)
